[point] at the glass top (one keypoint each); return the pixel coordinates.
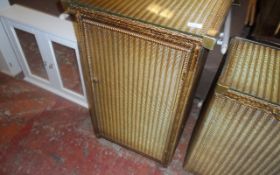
(197, 17)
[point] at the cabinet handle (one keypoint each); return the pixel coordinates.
(95, 80)
(51, 66)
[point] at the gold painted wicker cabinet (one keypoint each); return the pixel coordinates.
(238, 132)
(141, 61)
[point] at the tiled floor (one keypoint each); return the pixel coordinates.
(41, 133)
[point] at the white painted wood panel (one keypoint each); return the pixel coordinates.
(8, 62)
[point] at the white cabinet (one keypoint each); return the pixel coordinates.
(47, 51)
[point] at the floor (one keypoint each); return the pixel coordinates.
(41, 133)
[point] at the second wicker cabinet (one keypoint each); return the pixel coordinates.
(238, 131)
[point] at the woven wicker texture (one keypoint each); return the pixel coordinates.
(198, 17)
(137, 86)
(235, 139)
(253, 69)
(239, 131)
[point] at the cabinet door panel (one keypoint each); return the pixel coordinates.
(137, 83)
(32, 53)
(68, 67)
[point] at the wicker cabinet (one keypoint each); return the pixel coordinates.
(238, 133)
(141, 61)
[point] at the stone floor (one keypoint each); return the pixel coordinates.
(41, 133)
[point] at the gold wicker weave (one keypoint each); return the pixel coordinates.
(238, 133)
(140, 77)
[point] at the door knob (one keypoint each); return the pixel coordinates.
(95, 80)
(50, 66)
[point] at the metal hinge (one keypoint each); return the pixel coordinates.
(220, 89)
(209, 42)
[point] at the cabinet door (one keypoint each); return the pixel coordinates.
(29, 51)
(66, 64)
(137, 85)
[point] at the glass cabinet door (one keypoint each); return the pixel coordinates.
(32, 55)
(68, 67)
